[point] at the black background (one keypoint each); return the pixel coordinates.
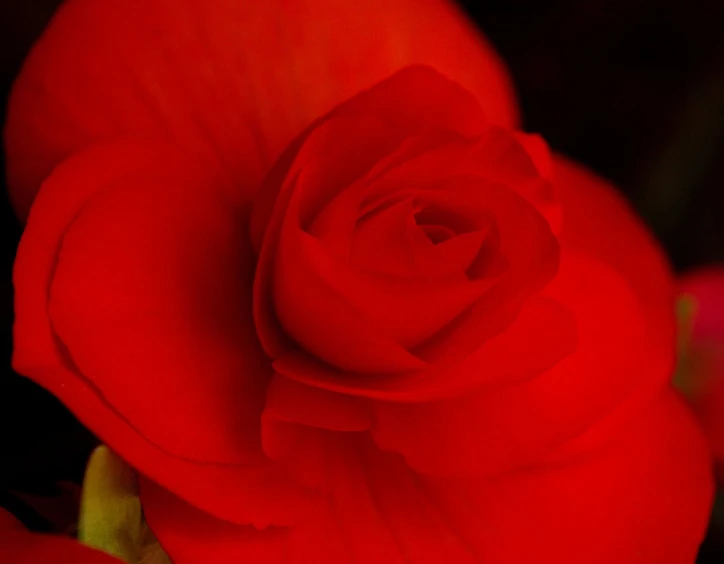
(632, 88)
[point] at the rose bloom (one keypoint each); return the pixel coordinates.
(421, 338)
(701, 368)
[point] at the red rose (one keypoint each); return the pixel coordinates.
(427, 341)
(701, 364)
(233, 81)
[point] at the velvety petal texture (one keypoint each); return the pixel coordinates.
(379, 510)
(231, 81)
(419, 345)
(151, 343)
(19, 546)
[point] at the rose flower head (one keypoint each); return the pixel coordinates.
(427, 340)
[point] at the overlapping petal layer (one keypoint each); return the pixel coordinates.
(233, 82)
(141, 306)
(158, 290)
(641, 498)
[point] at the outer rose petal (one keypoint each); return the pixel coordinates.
(176, 290)
(234, 81)
(641, 498)
(512, 424)
(599, 222)
(641, 495)
(18, 546)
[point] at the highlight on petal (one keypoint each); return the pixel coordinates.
(639, 496)
(233, 82)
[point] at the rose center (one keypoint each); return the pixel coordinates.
(440, 225)
(437, 233)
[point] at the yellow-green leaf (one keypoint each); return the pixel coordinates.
(111, 519)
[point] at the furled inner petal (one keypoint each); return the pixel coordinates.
(311, 184)
(395, 240)
(336, 221)
(524, 262)
(346, 310)
(453, 256)
(519, 161)
(322, 321)
(340, 313)
(506, 357)
(381, 243)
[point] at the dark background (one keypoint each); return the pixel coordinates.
(632, 88)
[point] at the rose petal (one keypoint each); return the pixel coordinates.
(445, 108)
(507, 357)
(598, 221)
(520, 161)
(308, 191)
(538, 151)
(158, 266)
(233, 82)
(610, 362)
(321, 183)
(644, 499)
(383, 243)
(530, 252)
(296, 403)
(390, 242)
(514, 419)
(438, 103)
(336, 222)
(254, 493)
(498, 155)
(323, 321)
